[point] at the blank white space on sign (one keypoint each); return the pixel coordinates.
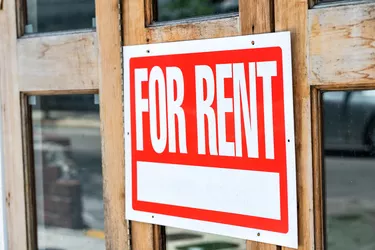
(252, 193)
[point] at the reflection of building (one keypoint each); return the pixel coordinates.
(59, 193)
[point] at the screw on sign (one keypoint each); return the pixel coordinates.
(207, 125)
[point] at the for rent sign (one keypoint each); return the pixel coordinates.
(209, 136)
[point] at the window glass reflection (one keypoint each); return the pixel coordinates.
(59, 15)
(181, 239)
(179, 9)
(349, 169)
(68, 173)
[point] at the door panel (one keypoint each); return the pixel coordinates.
(37, 64)
(341, 57)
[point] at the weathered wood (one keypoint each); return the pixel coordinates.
(11, 130)
(133, 24)
(58, 62)
(291, 15)
(252, 245)
(143, 237)
(150, 7)
(21, 12)
(256, 16)
(109, 36)
(194, 30)
(341, 45)
(317, 136)
(28, 166)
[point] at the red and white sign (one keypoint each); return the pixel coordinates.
(209, 136)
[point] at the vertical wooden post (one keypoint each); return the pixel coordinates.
(133, 24)
(11, 130)
(110, 89)
(291, 15)
(256, 16)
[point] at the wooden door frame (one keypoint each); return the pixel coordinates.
(38, 64)
(353, 72)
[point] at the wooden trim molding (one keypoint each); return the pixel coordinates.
(341, 48)
(11, 130)
(58, 62)
(317, 135)
(110, 88)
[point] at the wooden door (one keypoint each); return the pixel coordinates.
(326, 36)
(332, 46)
(52, 55)
(341, 57)
(139, 26)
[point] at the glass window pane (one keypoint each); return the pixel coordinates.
(68, 173)
(178, 9)
(181, 239)
(349, 169)
(59, 15)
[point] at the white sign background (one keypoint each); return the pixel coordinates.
(150, 186)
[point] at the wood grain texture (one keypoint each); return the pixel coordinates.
(110, 89)
(256, 16)
(194, 30)
(143, 237)
(342, 45)
(133, 24)
(21, 16)
(11, 130)
(317, 136)
(59, 62)
(291, 15)
(28, 165)
(150, 11)
(252, 245)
